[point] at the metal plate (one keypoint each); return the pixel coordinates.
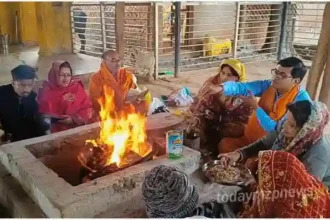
(213, 163)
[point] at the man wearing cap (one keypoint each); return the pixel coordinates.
(19, 115)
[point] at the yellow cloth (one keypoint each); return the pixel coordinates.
(148, 98)
(237, 66)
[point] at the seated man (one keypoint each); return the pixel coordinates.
(118, 81)
(19, 114)
(274, 95)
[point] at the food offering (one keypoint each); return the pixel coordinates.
(235, 174)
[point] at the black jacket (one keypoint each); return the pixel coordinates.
(20, 117)
(79, 19)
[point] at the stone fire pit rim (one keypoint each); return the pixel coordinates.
(55, 196)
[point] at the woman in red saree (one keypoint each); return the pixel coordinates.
(64, 96)
(286, 190)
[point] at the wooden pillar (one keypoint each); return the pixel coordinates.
(324, 92)
(119, 25)
(319, 60)
(49, 18)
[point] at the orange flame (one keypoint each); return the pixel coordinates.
(121, 131)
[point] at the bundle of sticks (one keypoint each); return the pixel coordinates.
(95, 164)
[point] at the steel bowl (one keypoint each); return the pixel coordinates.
(213, 163)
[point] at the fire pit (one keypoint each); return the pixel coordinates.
(111, 194)
(91, 171)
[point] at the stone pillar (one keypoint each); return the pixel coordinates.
(28, 24)
(54, 28)
(315, 73)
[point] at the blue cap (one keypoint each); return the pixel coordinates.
(23, 72)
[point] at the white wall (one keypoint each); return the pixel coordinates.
(220, 16)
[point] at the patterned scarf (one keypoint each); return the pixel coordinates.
(167, 193)
(309, 134)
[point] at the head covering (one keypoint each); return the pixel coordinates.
(168, 193)
(309, 134)
(237, 66)
(23, 72)
(286, 190)
(54, 73)
(71, 100)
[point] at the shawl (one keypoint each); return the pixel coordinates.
(286, 190)
(71, 100)
(309, 134)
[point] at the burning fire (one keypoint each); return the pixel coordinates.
(121, 131)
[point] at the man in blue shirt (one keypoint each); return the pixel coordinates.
(275, 95)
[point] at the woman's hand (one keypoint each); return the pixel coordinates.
(67, 120)
(194, 122)
(251, 101)
(214, 89)
(209, 115)
(78, 121)
(250, 181)
(228, 159)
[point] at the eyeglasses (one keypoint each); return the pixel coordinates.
(113, 60)
(279, 75)
(65, 75)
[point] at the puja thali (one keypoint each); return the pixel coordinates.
(234, 175)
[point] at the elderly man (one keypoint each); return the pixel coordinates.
(19, 114)
(113, 79)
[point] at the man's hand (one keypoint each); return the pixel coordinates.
(229, 158)
(251, 100)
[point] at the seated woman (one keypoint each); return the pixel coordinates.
(301, 135)
(216, 116)
(283, 189)
(64, 96)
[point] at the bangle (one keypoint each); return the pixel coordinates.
(199, 121)
(240, 155)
